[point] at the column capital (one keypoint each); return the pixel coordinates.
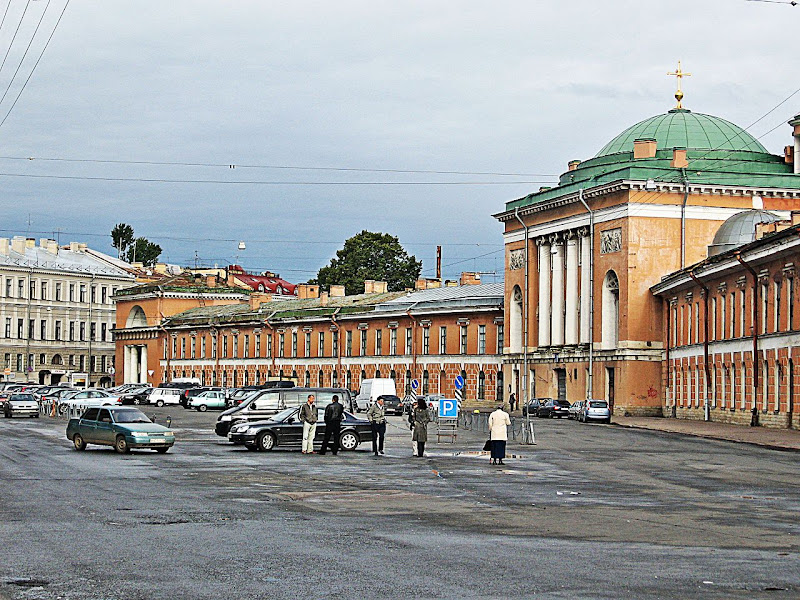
(556, 239)
(583, 232)
(542, 241)
(569, 235)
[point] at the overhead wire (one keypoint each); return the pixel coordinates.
(14, 37)
(25, 54)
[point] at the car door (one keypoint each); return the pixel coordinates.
(291, 430)
(87, 425)
(104, 428)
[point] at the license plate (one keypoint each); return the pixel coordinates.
(157, 440)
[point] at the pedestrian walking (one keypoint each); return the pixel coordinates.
(512, 401)
(308, 416)
(419, 425)
(377, 420)
(498, 434)
(333, 425)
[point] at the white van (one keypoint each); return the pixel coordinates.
(189, 380)
(162, 396)
(371, 389)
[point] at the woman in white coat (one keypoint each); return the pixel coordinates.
(498, 434)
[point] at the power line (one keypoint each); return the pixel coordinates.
(25, 54)
(14, 37)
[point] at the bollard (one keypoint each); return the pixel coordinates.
(169, 421)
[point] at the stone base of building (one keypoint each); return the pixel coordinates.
(638, 411)
(768, 419)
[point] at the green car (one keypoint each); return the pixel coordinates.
(208, 399)
(122, 427)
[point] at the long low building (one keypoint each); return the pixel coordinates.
(431, 335)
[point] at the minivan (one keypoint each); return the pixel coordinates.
(371, 389)
(161, 396)
(262, 405)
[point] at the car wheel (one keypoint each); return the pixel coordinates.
(159, 403)
(36, 416)
(348, 440)
(121, 445)
(265, 441)
(162, 450)
(202, 408)
(136, 401)
(78, 442)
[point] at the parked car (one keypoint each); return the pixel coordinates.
(553, 408)
(371, 389)
(208, 399)
(189, 393)
(286, 430)
(123, 428)
(533, 406)
(264, 404)
(575, 409)
(23, 405)
(87, 398)
(392, 404)
(236, 397)
(595, 410)
(165, 395)
(133, 395)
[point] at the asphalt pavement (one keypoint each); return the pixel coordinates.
(590, 511)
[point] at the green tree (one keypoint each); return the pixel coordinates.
(144, 251)
(122, 238)
(369, 255)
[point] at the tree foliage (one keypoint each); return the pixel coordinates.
(369, 255)
(122, 238)
(144, 251)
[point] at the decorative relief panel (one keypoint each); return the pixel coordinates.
(516, 259)
(611, 241)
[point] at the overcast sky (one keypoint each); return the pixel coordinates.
(500, 87)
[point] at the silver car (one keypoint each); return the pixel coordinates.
(21, 405)
(595, 410)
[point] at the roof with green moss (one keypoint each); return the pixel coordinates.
(181, 284)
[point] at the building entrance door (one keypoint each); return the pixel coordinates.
(561, 377)
(610, 388)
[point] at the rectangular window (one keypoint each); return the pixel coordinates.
(235, 339)
(19, 362)
(43, 329)
(321, 348)
(9, 286)
(442, 340)
(193, 347)
(335, 345)
(224, 346)
(246, 348)
(697, 322)
(294, 343)
(82, 329)
(82, 297)
(307, 348)
(426, 340)
(32, 290)
(409, 343)
(7, 363)
(183, 347)
(348, 343)
(393, 342)
(20, 329)
(378, 342)
(72, 292)
(258, 345)
(44, 290)
(104, 294)
(281, 343)
(723, 325)
(31, 328)
(742, 320)
(689, 331)
(269, 345)
(72, 331)
(103, 332)
(213, 346)
(8, 327)
(21, 288)
(733, 314)
(203, 347)
(481, 339)
(714, 318)
(500, 338)
(93, 331)
(174, 346)
(94, 294)
(58, 291)
(462, 349)
(777, 306)
(363, 342)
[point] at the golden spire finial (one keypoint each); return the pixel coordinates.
(679, 74)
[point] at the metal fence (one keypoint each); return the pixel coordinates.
(521, 430)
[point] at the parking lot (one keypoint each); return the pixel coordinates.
(590, 511)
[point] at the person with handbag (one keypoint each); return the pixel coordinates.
(498, 434)
(419, 425)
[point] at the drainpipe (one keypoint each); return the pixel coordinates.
(754, 329)
(525, 370)
(670, 325)
(338, 345)
(589, 384)
(707, 368)
(683, 217)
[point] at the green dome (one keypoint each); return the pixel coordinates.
(681, 128)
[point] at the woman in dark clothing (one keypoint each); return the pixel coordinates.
(421, 418)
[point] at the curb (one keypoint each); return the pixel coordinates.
(705, 436)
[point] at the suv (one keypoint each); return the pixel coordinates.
(262, 405)
(165, 395)
(554, 408)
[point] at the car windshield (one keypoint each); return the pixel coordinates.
(130, 415)
(284, 414)
(562, 403)
(22, 398)
(598, 404)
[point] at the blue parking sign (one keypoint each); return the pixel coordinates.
(459, 382)
(415, 384)
(448, 408)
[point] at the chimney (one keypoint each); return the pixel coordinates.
(450, 283)
(419, 284)
(380, 287)
(573, 164)
(337, 291)
(644, 148)
(18, 244)
(679, 158)
(369, 286)
(788, 155)
(468, 278)
(211, 281)
(4, 246)
(323, 299)
(259, 298)
(795, 221)
(307, 290)
(52, 246)
(796, 152)
(30, 242)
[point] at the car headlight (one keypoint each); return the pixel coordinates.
(225, 418)
(140, 434)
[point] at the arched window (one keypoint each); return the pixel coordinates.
(335, 378)
(464, 377)
(515, 320)
(308, 378)
(294, 376)
(610, 311)
(57, 360)
(425, 381)
(408, 382)
(136, 318)
(363, 375)
(499, 392)
(321, 378)
(377, 373)
(481, 386)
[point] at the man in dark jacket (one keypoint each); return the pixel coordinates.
(333, 425)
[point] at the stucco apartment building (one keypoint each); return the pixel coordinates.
(57, 312)
(582, 256)
(329, 339)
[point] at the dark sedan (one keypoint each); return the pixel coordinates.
(554, 408)
(533, 406)
(392, 404)
(286, 430)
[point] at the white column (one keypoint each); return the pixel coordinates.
(557, 302)
(133, 364)
(126, 364)
(586, 293)
(143, 365)
(544, 291)
(571, 316)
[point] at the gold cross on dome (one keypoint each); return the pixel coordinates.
(679, 74)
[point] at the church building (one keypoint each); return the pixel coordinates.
(582, 256)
